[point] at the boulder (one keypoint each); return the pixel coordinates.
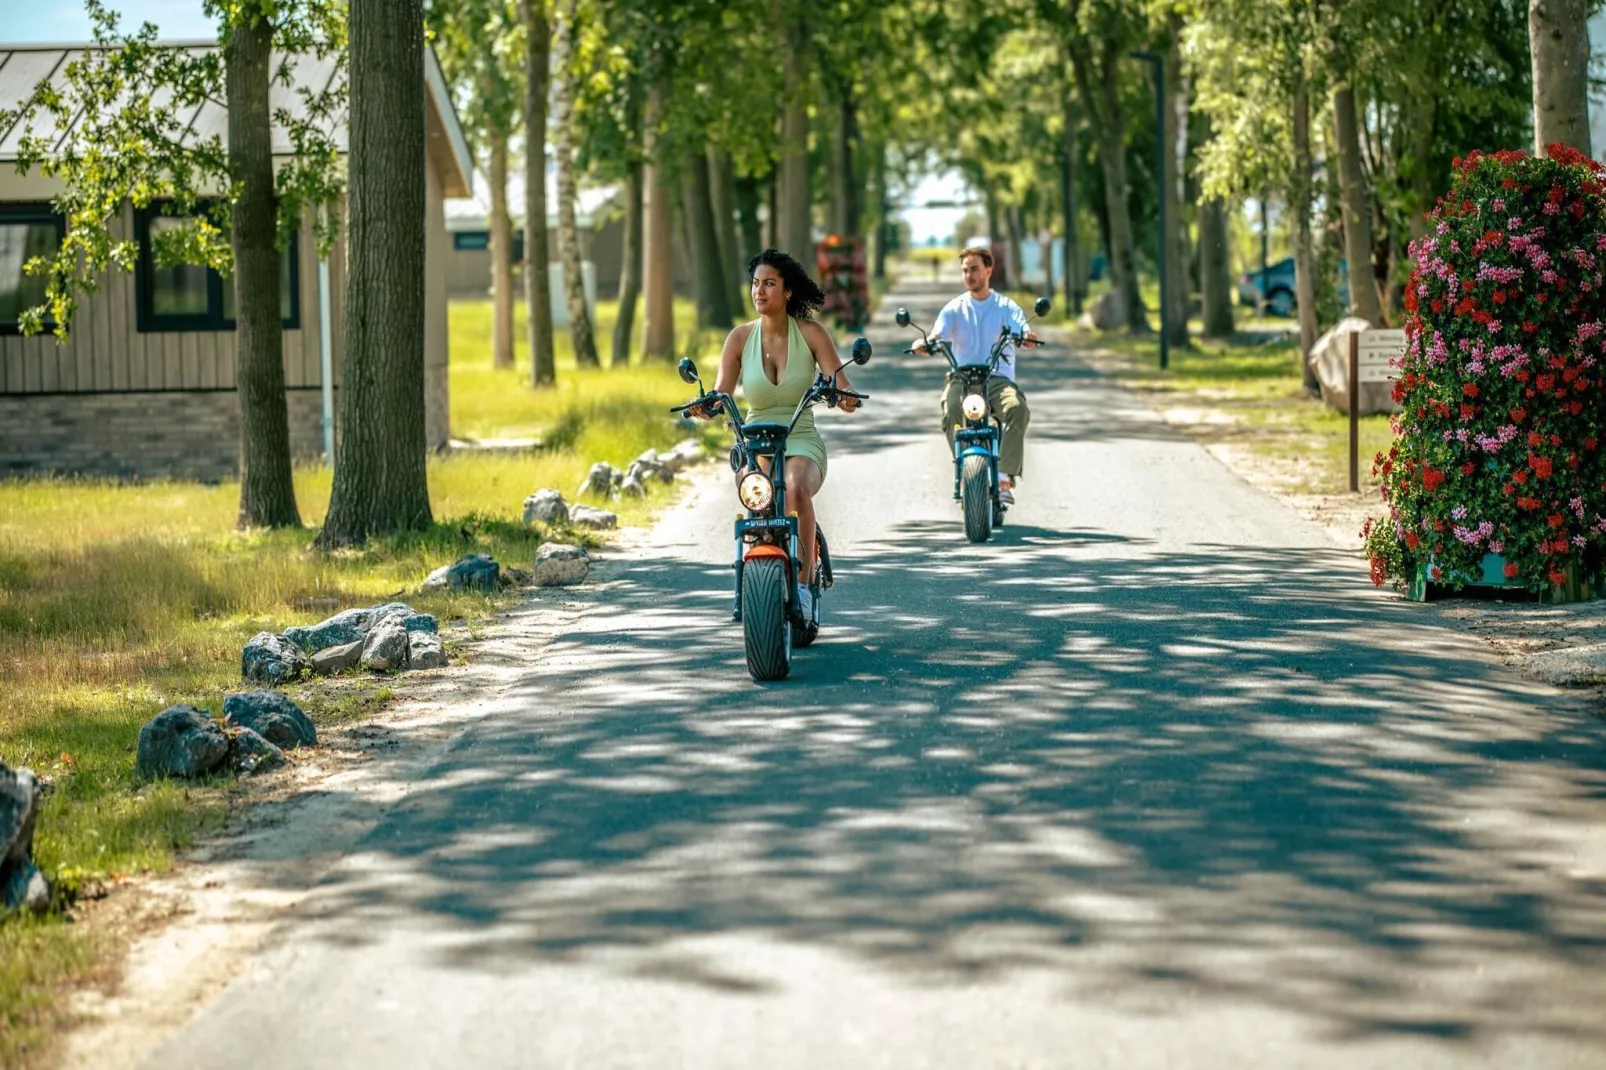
(22, 886)
(1107, 313)
(385, 649)
(560, 565)
(475, 572)
(633, 487)
(181, 741)
(597, 483)
(337, 630)
(250, 753)
(584, 516)
(424, 651)
(272, 659)
(271, 715)
(1329, 360)
(546, 506)
(337, 658)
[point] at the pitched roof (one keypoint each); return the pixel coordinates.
(22, 67)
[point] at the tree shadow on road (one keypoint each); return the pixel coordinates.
(1230, 773)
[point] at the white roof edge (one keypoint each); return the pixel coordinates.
(443, 106)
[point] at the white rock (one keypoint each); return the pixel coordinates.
(560, 565)
(598, 482)
(584, 516)
(424, 651)
(385, 649)
(547, 506)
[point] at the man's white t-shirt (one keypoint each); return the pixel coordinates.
(973, 326)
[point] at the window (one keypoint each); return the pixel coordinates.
(26, 231)
(187, 297)
(471, 241)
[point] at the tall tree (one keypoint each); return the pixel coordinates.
(128, 103)
(709, 279)
(1075, 268)
(267, 490)
(380, 483)
(1357, 205)
(629, 269)
(537, 271)
(563, 60)
(1558, 33)
(1174, 154)
(722, 179)
(1215, 270)
(1304, 239)
(795, 196)
(657, 258)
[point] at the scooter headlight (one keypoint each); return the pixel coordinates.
(756, 491)
(975, 406)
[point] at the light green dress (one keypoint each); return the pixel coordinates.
(774, 402)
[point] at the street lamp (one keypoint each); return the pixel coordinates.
(1157, 61)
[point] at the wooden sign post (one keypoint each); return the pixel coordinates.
(1371, 356)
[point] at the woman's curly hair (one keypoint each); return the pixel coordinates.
(807, 297)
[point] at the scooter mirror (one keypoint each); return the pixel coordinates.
(903, 317)
(1042, 306)
(861, 351)
(688, 370)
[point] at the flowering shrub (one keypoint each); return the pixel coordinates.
(1498, 441)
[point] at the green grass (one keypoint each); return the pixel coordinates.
(117, 600)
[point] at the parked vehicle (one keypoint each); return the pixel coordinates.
(1276, 287)
(767, 563)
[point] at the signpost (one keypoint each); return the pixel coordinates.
(1371, 356)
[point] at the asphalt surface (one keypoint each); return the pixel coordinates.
(1154, 779)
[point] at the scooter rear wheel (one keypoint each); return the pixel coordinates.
(766, 633)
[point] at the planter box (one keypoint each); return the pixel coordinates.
(1578, 588)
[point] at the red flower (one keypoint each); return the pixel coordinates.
(1527, 503)
(1510, 570)
(1554, 519)
(1469, 468)
(1432, 479)
(1412, 540)
(1469, 389)
(1517, 415)
(1557, 578)
(1541, 466)
(1500, 297)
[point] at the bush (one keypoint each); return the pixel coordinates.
(1498, 448)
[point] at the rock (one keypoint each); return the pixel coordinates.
(1107, 313)
(424, 651)
(335, 659)
(560, 565)
(271, 715)
(516, 577)
(1574, 666)
(22, 886)
(475, 572)
(272, 659)
(598, 482)
(250, 753)
(633, 487)
(688, 451)
(421, 622)
(385, 649)
(584, 516)
(345, 628)
(547, 506)
(181, 741)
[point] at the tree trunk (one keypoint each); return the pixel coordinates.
(883, 225)
(1357, 206)
(537, 274)
(267, 489)
(1075, 262)
(629, 271)
(708, 273)
(722, 192)
(658, 265)
(501, 257)
(1558, 39)
(773, 192)
(380, 483)
(844, 192)
(747, 194)
(1017, 262)
(1105, 112)
(1304, 241)
(1179, 292)
(794, 195)
(580, 332)
(1215, 269)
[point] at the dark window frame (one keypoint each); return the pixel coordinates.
(32, 212)
(148, 321)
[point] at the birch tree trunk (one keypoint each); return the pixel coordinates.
(1304, 240)
(501, 258)
(1357, 205)
(1558, 40)
(580, 333)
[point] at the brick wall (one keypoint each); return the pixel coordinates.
(184, 435)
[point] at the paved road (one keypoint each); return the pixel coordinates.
(1155, 779)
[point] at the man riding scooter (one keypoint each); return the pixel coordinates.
(971, 322)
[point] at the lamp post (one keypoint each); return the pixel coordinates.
(1157, 61)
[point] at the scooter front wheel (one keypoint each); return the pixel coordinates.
(975, 484)
(766, 633)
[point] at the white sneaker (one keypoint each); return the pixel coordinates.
(805, 602)
(1006, 492)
